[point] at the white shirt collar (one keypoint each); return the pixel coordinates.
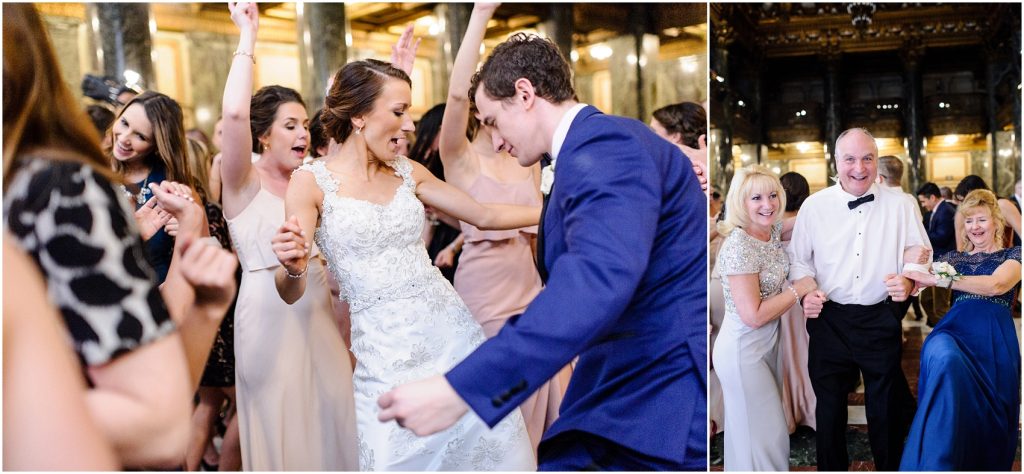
(562, 130)
(842, 192)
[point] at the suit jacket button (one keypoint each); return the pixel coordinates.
(497, 402)
(521, 386)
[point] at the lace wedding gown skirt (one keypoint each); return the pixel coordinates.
(407, 324)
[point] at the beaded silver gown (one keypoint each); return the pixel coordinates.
(756, 435)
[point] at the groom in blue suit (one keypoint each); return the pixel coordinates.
(624, 254)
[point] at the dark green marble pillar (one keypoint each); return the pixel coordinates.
(914, 114)
(322, 49)
(724, 36)
(833, 104)
(558, 27)
(122, 36)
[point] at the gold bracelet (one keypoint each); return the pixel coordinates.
(243, 53)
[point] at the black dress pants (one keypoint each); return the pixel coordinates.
(846, 340)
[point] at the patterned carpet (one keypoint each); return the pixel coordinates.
(802, 451)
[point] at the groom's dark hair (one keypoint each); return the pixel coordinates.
(525, 56)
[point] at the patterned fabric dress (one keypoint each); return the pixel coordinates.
(80, 232)
(968, 396)
(407, 324)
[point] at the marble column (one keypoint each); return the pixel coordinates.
(638, 21)
(322, 49)
(760, 125)
(455, 20)
(558, 27)
(993, 68)
(122, 35)
(831, 60)
(912, 55)
(723, 36)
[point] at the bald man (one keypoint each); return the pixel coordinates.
(851, 238)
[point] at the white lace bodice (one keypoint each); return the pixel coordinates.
(408, 323)
(374, 250)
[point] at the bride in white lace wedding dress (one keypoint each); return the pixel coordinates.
(407, 321)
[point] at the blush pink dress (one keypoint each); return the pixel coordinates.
(497, 279)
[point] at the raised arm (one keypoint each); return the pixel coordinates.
(458, 204)
(403, 53)
(294, 239)
(453, 146)
(236, 170)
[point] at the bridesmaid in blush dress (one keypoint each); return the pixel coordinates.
(293, 376)
(496, 275)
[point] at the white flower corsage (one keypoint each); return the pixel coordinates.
(547, 178)
(945, 274)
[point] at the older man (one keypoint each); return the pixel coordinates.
(851, 238)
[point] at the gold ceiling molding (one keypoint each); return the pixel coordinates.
(794, 30)
(184, 17)
(70, 10)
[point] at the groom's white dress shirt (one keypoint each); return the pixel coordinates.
(849, 252)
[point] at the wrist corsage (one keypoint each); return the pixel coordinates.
(945, 274)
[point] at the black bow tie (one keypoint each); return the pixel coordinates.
(861, 200)
(545, 160)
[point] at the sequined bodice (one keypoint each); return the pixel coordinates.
(373, 250)
(742, 254)
(981, 264)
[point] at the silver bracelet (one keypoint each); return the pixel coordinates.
(300, 275)
(797, 295)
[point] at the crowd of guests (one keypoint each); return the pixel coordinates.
(185, 274)
(845, 263)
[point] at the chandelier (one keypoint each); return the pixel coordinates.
(860, 13)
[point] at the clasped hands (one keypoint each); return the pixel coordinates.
(171, 203)
(291, 247)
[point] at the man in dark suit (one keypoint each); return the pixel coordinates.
(942, 234)
(623, 253)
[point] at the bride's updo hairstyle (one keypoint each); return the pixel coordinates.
(356, 87)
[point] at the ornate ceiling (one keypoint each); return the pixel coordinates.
(795, 29)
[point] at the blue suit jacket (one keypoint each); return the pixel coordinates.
(941, 229)
(626, 247)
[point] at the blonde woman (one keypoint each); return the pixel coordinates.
(969, 388)
(754, 265)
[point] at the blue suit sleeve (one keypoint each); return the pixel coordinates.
(610, 198)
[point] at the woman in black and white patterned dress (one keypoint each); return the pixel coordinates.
(62, 208)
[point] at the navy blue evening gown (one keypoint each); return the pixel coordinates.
(969, 389)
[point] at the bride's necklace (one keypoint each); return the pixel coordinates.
(142, 196)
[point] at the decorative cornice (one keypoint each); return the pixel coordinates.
(794, 29)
